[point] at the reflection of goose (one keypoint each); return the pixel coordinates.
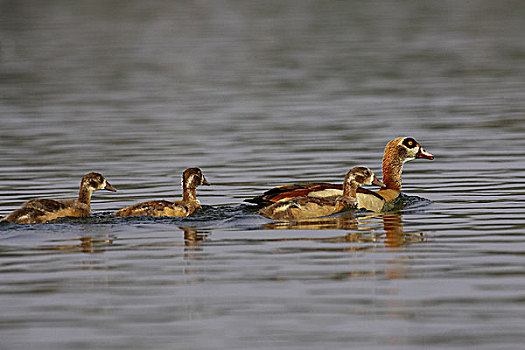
(88, 244)
(43, 210)
(345, 221)
(395, 236)
(191, 179)
(397, 152)
(312, 207)
(192, 236)
(369, 232)
(361, 226)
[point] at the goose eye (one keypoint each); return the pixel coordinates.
(410, 143)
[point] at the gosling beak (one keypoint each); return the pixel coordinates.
(109, 187)
(424, 154)
(204, 181)
(378, 182)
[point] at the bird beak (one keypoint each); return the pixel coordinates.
(378, 182)
(205, 182)
(424, 154)
(109, 187)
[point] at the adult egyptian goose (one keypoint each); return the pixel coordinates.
(313, 207)
(191, 179)
(44, 210)
(397, 152)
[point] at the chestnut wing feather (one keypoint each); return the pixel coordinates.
(292, 191)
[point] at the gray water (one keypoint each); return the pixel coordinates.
(259, 94)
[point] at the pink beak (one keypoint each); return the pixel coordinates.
(424, 154)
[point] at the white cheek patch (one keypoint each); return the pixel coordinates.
(412, 154)
(409, 158)
(189, 181)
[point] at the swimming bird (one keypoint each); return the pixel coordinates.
(191, 179)
(397, 152)
(312, 207)
(44, 210)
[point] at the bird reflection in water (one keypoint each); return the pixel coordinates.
(87, 244)
(192, 236)
(368, 233)
(99, 244)
(365, 229)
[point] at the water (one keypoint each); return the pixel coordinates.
(260, 94)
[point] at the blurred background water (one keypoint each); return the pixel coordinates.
(259, 94)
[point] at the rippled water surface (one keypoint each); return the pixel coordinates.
(259, 94)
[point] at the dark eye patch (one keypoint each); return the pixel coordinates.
(409, 142)
(360, 179)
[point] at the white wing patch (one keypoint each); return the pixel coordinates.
(326, 193)
(282, 207)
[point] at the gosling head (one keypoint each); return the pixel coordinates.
(95, 181)
(362, 176)
(193, 178)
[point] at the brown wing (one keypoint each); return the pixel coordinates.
(26, 215)
(154, 205)
(154, 208)
(49, 205)
(301, 208)
(292, 191)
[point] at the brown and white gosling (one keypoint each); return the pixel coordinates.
(44, 210)
(191, 179)
(312, 207)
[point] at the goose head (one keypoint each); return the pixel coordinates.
(398, 152)
(405, 149)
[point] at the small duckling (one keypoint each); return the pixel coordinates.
(44, 210)
(191, 179)
(312, 207)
